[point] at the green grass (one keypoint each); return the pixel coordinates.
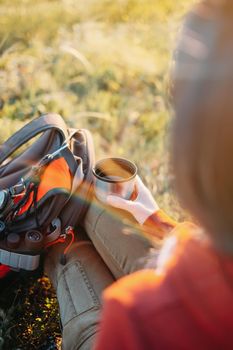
(101, 64)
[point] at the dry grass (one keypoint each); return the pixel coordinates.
(102, 65)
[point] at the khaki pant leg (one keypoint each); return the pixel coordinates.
(117, 239)
(79, 285)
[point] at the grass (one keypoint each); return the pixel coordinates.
(102, 65)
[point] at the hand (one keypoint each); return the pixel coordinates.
(141, 208)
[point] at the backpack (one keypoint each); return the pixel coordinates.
(44, 191)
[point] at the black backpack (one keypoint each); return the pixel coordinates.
(44, 191)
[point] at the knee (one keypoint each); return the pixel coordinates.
(80, 332)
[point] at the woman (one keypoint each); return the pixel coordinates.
(186, 302)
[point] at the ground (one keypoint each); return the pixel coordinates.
(103, 65)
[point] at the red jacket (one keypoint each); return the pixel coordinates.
(186, 303)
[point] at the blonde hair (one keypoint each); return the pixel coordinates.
(202, 140)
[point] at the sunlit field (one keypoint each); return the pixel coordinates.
(103, 65)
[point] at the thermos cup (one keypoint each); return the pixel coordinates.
(114, 176)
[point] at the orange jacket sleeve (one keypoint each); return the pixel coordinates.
(159, 224)
(119, 328)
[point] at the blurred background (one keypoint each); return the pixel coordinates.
(103, 65)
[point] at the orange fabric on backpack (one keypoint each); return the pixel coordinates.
(56, 175)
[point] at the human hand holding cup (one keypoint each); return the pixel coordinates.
(118, 193)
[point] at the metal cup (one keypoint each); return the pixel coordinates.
(114, 176)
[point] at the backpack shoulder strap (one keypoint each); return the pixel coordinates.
(30, 130)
